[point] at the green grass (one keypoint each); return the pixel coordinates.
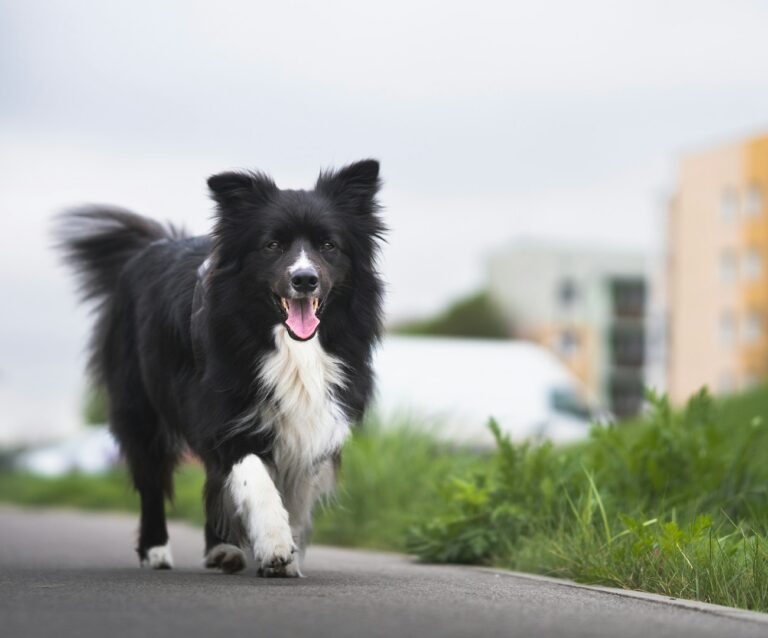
(389, 481)
(110, 491)
(674, 503)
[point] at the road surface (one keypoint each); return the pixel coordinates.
(67, 574)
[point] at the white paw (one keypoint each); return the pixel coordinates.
(276, 553)
(158, 557)
(228, 558)
(292, 570)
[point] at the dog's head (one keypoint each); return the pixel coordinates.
(298, 250)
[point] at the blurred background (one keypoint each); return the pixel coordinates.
(582, 183)
(578, 202)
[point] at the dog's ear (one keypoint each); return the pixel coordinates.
(239, 196)
(353, 187)
(236, 190)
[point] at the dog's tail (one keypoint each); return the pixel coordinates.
(98, 241)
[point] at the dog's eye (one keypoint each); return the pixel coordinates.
(327, 246)
(273, 245)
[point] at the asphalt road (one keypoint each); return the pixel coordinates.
(71, 574)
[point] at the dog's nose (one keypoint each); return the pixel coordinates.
(304, 280)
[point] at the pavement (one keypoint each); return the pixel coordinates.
(65, 573)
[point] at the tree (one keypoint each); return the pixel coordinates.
(473, 316)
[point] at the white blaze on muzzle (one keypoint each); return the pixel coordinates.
(302, 262)
(302, 313)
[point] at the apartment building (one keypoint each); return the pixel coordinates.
(586, 305)
(716, 276)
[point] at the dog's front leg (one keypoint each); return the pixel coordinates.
(301, 499)
(265, 519)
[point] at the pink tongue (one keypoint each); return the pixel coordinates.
(301, 318)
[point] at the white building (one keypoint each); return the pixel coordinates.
(586, 304)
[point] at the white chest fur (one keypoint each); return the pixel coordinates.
(304, 413)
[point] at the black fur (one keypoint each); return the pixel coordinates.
(176, 352)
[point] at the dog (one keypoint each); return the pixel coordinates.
(250, 347)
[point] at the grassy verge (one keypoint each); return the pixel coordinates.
(675, 503)
(390, 481)
(110, 491)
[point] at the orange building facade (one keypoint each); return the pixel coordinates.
(717, 271)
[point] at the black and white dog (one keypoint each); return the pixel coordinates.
(252, 348)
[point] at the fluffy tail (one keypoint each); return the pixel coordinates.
(99, 240)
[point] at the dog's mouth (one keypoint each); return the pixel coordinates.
(301, 316)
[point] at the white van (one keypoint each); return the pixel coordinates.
(455, 385)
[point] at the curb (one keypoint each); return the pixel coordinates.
(658, 599)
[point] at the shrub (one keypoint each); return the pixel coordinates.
(675, 503)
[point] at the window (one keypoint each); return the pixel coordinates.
(729, 267)
(568, 343)
(627, 346)
(753, 263)
(754, 200)
(729, 204)
(753, 326)
(567, 293)
(727, 329)
(625, 394)
(567, 401)
(628, 295)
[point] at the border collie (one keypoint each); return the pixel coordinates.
(251, 348)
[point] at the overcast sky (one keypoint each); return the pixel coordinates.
(493, 120)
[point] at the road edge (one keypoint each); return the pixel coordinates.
(659, 599)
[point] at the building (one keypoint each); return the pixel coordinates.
(585, 305)
(716, 276)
